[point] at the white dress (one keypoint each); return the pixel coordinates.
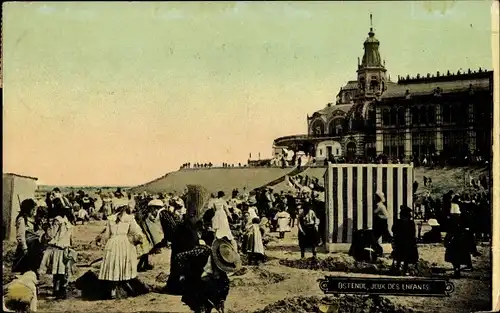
(53, 261)
(283, 219)
(120, 256)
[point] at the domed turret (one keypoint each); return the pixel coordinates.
(371, 71)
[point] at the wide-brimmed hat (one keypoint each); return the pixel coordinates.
(432, 222)
(225, 256)
(86, 200)
(156, 202)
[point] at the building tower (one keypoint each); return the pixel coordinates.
(371, 71)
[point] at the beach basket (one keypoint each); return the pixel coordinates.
(196, 200)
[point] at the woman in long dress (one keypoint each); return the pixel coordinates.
(308, 230)
(150, 224)
(119, 264)
(185, 238)
(254, 245)
(58, 257)
(29, 248)
(405, 241)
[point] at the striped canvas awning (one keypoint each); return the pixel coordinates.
(350, 191)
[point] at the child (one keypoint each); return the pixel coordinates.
(254, 245)
(283, 219)
(82, 216)
(21, 295)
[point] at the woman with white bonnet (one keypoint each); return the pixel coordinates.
(220, 227)
(119, 263)
(148, 219)
(380, 218)
(252, 209)
(433, 235)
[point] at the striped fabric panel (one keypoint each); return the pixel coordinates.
(350, 191)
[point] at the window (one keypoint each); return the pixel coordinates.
(402, 116)
(446, 113)
(431, 114)
(386, 117)
(394, 116)
(394, 144)
(318, 128)
(423, 143)
(337, 152)
(415, 115)
(455, 143)
(423, 115)
(320, 151)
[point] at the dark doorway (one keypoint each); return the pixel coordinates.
(329, 151)
(351, 151)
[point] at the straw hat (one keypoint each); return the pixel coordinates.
(118, 203)
(225, 256)
(432, 222)
(156, 202)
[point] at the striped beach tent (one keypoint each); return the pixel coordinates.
(349, 196)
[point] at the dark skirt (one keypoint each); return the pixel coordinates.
(31, 261)
(310, 238)
(459, 248)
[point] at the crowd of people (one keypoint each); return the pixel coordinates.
(209, 233)
(188, 165)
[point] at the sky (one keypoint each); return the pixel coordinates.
(120, 93)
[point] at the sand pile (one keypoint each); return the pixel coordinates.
(255, 276)
(342, 304)
(342, 262)
(244, 259)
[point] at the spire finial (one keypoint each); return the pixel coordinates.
(371, 22)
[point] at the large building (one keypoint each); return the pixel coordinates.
(443, 114)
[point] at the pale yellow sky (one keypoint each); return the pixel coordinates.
(121, 93)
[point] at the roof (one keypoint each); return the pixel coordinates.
(334, 107)
(22, 176)
(352, 84)
(425, 88)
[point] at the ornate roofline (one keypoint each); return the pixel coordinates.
(469, 74)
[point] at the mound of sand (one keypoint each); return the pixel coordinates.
(342, 262)
(342, 304)
(255, 276)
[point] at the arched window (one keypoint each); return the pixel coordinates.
(423, 115)
(374, 84)
(394, 116)
(431, 114)
(386, 117)
(371, 118)
(362, 83)
(318, 127)
(336, 127)
(415, 115)
(402, 116)
(446, 112)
